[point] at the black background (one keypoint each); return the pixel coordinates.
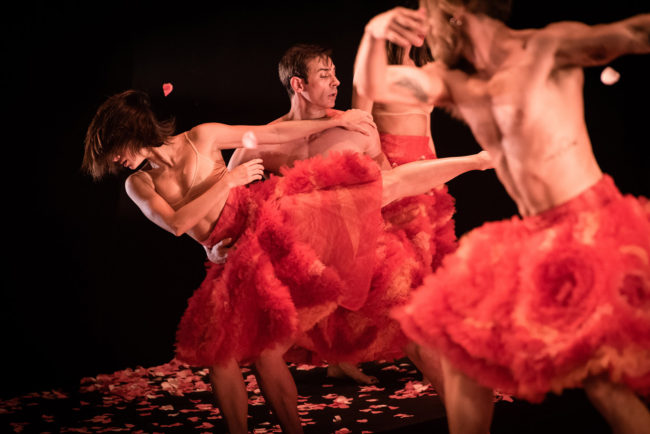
(90, 285)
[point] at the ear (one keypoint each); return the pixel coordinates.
(297, 84)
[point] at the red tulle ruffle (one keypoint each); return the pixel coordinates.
(299, 239)
(419, 232)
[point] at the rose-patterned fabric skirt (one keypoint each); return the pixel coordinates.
(535, 305)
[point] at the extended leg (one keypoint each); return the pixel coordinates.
(469, 406)
(620, 407)
(428, 362)
(230, 392)
(418, 177)
(279, 388)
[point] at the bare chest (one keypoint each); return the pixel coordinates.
(180, 187)
(494, 107)
(337, 140)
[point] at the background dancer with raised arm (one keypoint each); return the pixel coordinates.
(424, 220)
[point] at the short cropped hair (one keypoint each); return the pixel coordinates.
(294, 62)
(124, 122)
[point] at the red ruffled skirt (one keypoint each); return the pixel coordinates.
(534, 305)
(305, 244)
(418, 233)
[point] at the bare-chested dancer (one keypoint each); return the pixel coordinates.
(309, 76)
(558, 298)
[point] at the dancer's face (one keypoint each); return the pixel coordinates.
(129, 159)
(321, 86)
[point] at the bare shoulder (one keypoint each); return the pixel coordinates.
(209, 138)
(202, 134)
(138, 183)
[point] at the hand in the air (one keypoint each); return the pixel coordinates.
(402, 26)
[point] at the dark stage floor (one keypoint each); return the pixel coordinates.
(174, 398)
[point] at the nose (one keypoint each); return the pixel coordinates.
(116, 159)
(335, 81)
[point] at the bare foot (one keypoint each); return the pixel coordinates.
(343, 370)
(484, 161)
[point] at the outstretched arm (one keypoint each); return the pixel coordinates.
(141, 190)
(579, 44)
(222, 136)
(375, 80)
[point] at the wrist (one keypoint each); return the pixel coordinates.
(230, 182)
(372, 33)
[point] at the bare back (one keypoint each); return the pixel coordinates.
(529, 116)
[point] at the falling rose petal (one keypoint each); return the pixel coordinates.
(167, 88)
(362, 420)
(402, 415)
(609, 76)
(342, 431)
(249, 140)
